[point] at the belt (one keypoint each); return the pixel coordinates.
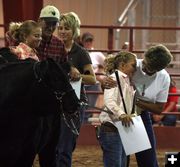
(108, 127)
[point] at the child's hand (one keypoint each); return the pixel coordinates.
(126, 120)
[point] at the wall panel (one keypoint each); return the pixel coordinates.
(93, 12)
(103, 12)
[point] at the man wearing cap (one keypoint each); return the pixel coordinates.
(50, 47)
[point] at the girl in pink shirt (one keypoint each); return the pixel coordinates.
(28, 34)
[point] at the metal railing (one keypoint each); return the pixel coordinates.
(131, 30)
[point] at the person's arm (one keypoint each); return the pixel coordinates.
(108, 82)
(74, 74)
(89, 76)
(168, 108)
(155, 108)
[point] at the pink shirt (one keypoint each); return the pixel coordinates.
(23, 51)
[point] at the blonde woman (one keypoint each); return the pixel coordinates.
(23, 40)
(68, 31)
(28, 34)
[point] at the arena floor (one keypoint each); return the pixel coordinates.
(91, 156)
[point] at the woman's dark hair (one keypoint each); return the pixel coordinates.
(158, 57)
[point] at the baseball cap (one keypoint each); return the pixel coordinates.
(87, 36)
(50, 13)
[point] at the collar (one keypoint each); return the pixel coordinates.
(122, 74)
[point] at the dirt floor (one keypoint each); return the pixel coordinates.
(87, 156)
(84, 156)
(91, 156)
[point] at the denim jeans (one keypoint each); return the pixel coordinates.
(148, 157)
(169, 120)
(113, 151)
(66, 144)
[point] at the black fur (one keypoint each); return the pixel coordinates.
(25, 101)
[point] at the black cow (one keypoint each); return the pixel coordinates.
(29, 92)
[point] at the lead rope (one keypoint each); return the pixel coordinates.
(59, 97)
(73, 128)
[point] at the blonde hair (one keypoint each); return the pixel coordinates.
(22, 30)
(13, 27)
(112, 62)
(72, 21)
(108, 63)
(10, 34)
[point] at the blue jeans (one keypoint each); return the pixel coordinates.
(169, 120)
(148, 157)
(113, 151)
(66, 144)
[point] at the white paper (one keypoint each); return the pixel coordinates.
(77, 87)
(134, 138)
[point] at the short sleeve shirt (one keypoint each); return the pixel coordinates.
(152, 88)
(172, 89)
(79, 57)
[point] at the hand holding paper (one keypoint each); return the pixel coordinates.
(126, 120)
(134, 138)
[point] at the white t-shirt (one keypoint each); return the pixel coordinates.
(97, 58)
(151, 88)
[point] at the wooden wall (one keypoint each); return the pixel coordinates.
(93, 12)
(105, 12)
